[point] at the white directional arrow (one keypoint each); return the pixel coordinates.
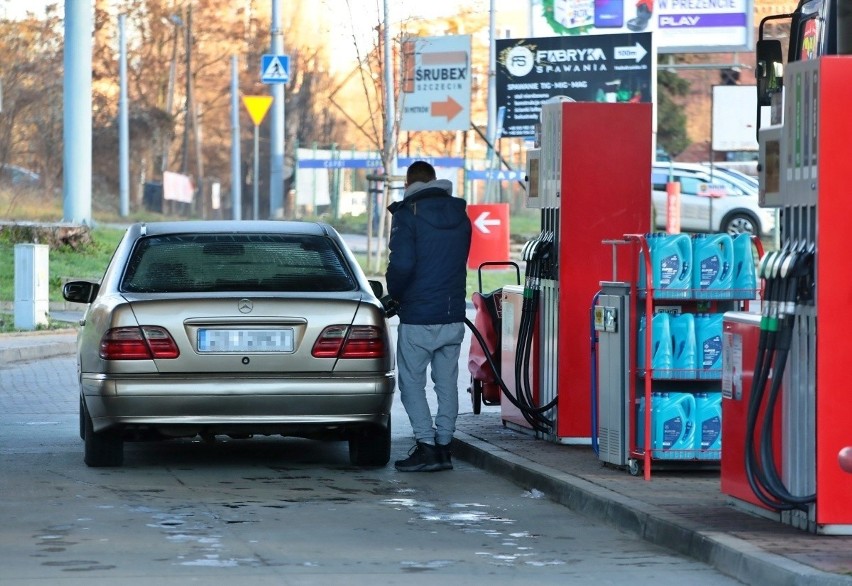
(635, 52)
(482, 222)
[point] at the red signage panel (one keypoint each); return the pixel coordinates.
(490, 238)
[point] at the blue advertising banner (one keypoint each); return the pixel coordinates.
(590, 68)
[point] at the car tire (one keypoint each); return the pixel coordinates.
(740, 223)
(103, 448)
(82, 419)
(371, 447)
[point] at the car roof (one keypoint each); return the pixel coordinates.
(740, 180)
(679, 165)
(233, 226)
(665, 165)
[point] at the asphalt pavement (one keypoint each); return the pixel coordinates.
(682, 509)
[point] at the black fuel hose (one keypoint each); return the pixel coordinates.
(783, 280)
(525, 410)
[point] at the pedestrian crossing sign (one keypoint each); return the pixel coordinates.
(275, 68)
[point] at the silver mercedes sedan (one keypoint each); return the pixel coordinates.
(233, 328)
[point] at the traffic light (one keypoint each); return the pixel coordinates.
(729, 76)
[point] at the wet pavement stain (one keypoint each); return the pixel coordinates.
(513, 547)
(79, 565)
(54, 539)
(425, 566)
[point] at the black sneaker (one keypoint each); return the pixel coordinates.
(421, 458)
(444, 456)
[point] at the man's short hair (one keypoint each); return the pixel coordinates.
(420, 171)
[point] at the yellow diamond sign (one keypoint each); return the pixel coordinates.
(257, 107)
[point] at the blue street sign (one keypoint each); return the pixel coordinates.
(361, 163)
(434, 161)
(495, 175)
(275, 68)
(339, 163)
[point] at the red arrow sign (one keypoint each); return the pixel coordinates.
(450, 108)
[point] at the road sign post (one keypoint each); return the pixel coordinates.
(257, 107)
(436, 83)
(275, 69)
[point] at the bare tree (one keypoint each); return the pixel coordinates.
(31, 120)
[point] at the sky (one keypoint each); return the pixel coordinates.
(349, 17)
(366, 10)
(366, 14)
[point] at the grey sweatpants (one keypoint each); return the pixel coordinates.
(417, 347)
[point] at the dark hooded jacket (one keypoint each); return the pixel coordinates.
(429, 244)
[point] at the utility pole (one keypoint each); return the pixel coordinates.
(236, 163)
(491, 131)
(123, 131)
(77, 105)
(276, 133)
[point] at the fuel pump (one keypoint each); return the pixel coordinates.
(590, 179)
(798, 407)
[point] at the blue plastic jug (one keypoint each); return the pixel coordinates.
(672, 425)
(661, 345)
(713, 266)
(745, 274)
(708, 422)
(671, 265)
(708, 342)
(684, 353)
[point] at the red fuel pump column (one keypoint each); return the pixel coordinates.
(595, 185)
(805, 335)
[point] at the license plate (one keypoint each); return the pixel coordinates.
(223, 340)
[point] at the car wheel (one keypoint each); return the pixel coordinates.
(740, 223)
(371, 447)
(101, 448)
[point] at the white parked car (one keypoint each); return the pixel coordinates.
(716, 202)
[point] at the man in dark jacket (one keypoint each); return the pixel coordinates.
(426, 274)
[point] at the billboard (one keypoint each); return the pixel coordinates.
(680, 26)
(734, 127)
(592, 68)
(685, 26)
(435, 83)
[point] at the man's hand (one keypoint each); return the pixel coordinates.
(390, 304)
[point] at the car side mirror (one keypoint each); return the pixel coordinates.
(769, 70)
(80, 291)
(378, 288)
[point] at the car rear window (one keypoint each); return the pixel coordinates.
(236, 262)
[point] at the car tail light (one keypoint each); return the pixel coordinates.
(138, 343)
(350, 342)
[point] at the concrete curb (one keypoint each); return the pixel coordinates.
(732, 556)
(37, 349)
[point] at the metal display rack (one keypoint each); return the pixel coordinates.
(637, 453)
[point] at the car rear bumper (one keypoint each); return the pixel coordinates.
(178, 406)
